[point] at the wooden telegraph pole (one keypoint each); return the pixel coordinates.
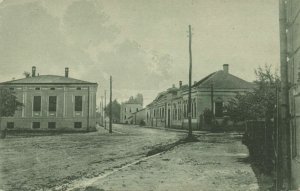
(110, 107)
(212, 97)
(190, 83)
(284, 160)
(104, 116)
(102, 111)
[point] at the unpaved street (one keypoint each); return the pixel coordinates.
(216, 162)
(132, 158)
(45, 162)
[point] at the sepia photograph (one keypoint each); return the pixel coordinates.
(149, 95)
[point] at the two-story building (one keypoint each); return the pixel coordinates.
(52, 102)
(129, 107)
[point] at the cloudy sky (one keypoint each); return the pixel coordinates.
(143, 44)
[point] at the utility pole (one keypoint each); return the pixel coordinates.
(102, 111)
(105, 109)
(190, 83)
(284, 171)
(110, 107)
(212, 97)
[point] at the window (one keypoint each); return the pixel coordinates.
(36, 125)
(219, 109)
(51, 125)
(52, 103)
(37, 103)
(10, 125)
(11, 88)
(137, 109)
(125, 109)
(37, 88)
(78, 103)
(52, 88)
(78, 88)
(77, 125)
(195, 110)
(125, 117)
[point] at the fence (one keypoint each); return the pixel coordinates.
(260, 138)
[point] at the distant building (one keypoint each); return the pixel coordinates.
(139, 117)
(170, 108)
(129, 107)
(52, 103)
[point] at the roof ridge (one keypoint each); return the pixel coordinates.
(46, 79)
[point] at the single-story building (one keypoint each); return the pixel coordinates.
(170, 108)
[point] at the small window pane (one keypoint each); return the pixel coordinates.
(10, 125)
(36, 125)
(51, 125)
(77, 125)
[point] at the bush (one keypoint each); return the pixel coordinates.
(208, 116)
(142, 123)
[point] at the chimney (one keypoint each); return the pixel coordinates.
(66, 72)
(33, 71)
(180, 84)
(226, 68)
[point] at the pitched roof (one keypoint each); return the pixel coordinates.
(47, 79)
(223, 80)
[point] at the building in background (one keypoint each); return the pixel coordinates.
(129, 107)
(139, 117)
(170, 108)
(52, 103)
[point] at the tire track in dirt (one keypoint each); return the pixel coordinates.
(158, 150)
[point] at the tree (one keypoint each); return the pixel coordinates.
(116, 107)
(8, 104)
(259, 103)
(26, 74)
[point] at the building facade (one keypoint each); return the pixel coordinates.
(170, 108)
(52, 102)
(129, 107)
(293, 46)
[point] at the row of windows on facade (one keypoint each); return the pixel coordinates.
(38, 88)
(177, 111)
(37, 103)
(137, 109)
(37, 125)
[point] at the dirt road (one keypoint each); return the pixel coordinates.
(45, 162)
(216, 162)
(132, 159)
